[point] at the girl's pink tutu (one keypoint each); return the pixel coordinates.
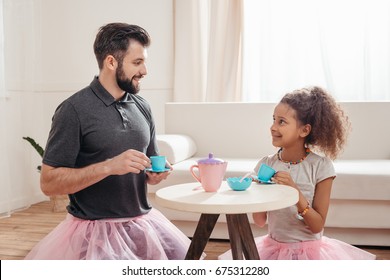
(323, 249)
(148, 237)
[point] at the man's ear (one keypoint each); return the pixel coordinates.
(306, 129)
(110, 62)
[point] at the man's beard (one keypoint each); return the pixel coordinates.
(125, 83)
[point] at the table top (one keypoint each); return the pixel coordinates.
(191, 197)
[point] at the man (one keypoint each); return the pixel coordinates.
(97, 152)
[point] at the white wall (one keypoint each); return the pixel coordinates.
(49, 56)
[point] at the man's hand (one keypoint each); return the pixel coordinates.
(156, 177)
(130, 161)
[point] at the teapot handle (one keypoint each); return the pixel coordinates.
(193, 172)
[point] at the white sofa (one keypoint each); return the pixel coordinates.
(239, 133)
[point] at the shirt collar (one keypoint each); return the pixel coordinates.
(104, 95)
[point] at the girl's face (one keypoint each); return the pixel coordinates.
(286, 131)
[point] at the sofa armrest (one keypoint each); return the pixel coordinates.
(176, 147)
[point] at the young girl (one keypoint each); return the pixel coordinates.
(305, 120)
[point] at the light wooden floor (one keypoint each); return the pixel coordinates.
(20, 232)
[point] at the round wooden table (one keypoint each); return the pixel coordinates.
(235, 205)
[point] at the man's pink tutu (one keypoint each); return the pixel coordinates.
(148, 237)
(323, 249)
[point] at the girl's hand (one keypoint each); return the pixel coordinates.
(284, 178)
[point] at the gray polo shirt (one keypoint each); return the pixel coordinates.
(90, 127)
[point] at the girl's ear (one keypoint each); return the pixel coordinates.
(305, 131)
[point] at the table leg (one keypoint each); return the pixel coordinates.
(248, 241)
(234, 236)
(241, 237)
(201, 236)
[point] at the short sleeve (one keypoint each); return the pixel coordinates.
(63, 143)
(325, 170)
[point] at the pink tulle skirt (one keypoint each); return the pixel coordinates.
(148, 237)
(323, 249)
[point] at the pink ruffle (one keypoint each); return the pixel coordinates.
(148, 237)
(323, 249)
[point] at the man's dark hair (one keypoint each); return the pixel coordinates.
(114, 39)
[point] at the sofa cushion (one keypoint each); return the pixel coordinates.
(176, 147)
(362, 180)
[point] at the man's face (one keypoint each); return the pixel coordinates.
(132, 69)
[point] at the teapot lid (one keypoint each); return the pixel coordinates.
(211, 160)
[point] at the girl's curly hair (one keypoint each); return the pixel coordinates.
(330, 126)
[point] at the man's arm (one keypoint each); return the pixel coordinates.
(64, 180)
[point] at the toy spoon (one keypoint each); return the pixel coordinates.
(246, 175)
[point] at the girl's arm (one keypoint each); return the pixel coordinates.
(315, 217)
(260, 218)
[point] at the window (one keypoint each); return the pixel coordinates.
(342, 46)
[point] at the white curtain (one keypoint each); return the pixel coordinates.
(19, 186)
(4, 170)
(207, 50)
(343, 46)
(257, 50)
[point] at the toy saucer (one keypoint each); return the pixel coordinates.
(266, 182)
(157, 171)
(256, 179)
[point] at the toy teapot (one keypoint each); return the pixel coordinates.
(211, 172)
